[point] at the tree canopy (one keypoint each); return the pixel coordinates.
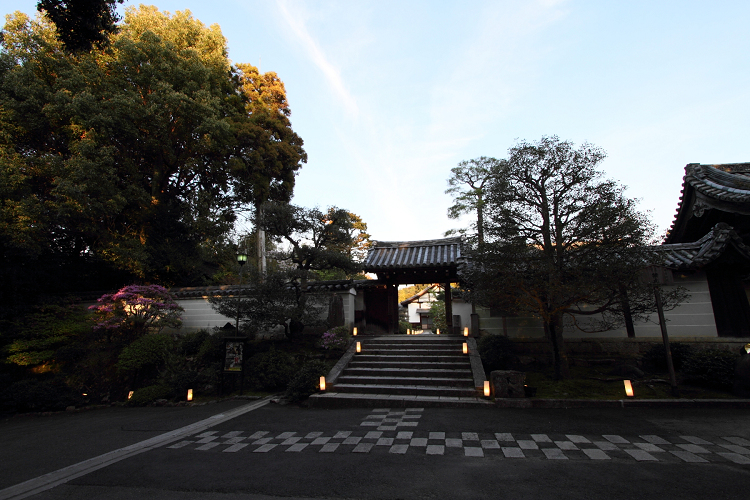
(82, 24)
(562, 241)
(315, 240)
(467, 184)
(131, 161)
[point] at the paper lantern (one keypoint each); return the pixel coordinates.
(466, 348)
(130, 394)
(359, 347)
(438, 331)
(354, 332)
(628, 388)
(190, 395)
(486, 388)
(466, 331)
(322, 383)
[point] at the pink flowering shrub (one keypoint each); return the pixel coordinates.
(335, 338)
(136, 310)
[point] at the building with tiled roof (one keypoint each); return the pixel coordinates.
(709, 241)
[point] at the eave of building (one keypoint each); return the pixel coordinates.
(708, 249)
(723, 187)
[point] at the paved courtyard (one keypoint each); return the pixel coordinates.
(259, 451)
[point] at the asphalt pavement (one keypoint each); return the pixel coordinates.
(271, 452)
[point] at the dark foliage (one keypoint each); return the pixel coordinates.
(272, 370)
(147, 395)
(306, 381)
(712, 368)
(655, 358)
(82, 24)
(39, 395)
(496, 352)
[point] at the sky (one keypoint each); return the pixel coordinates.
(390, 95)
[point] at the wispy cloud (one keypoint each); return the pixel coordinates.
(318, 57)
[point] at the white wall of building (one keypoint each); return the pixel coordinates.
(693, 318)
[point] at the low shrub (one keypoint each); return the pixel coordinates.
(336, 338)
(712, 368)
(272, 370)
(148, 351)
(147, 395)
(656, 359)
(496, 352)
(39, 395)
(403, 326)
(307, 381)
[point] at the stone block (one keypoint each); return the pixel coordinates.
(508, 383)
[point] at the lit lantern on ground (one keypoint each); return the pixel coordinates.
(628, 388)
(486, 388)
(466, 348)
(466, 331)
(359, 347)
(354, 332)
(408, 331)
(438, 331)
(190, 395)
(322, 383)
(130, 394)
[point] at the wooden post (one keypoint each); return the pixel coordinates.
(665, 338)
(449, 308)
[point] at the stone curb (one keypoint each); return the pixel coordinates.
(623, 403)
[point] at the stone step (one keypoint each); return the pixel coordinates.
(462, 373)
(379, 351)
(408, 339)
(400, 380)
(435, 358)
(413, 390)
(380, 363)
(360, 400)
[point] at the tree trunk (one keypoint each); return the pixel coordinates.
(554, 330)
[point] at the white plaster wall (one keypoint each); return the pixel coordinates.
(199, 314)
(463, 309)
(693, 318)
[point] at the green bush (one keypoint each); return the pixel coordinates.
(191, 343)
(148, 351)
(39, 395)
(403, 326)
(712, 368)
(147, 395)
(307, 381)
(655, 358)
(496, 352)
(272, 370)
(336, 338)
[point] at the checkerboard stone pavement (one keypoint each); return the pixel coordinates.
(395, 431)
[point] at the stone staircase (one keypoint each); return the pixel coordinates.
(404, 370)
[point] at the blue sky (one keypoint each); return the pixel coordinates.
(389, 96)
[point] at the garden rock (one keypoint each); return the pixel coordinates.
(508, 383)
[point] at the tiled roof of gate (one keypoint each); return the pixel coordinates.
(728, 182)
(394, 255)
(695, 255)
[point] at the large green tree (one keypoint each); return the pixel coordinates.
(134, 158)
(315, 240)
(467, 184)
(82, 24)
(562, 242)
